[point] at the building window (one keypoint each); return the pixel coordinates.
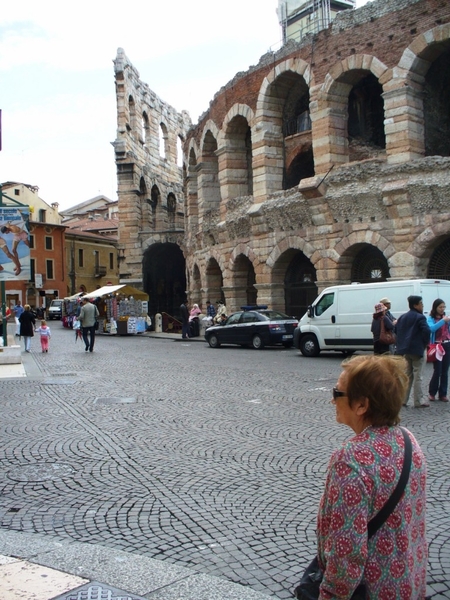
(31, 241)
(16, 192)
(111, 260)
(32, 269)
(48, 243)
(49, 269)
(42, 215)
(80, 258)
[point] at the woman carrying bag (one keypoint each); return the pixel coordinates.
(371, 527)
(438, 323)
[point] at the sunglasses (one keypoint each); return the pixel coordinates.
(338, 394)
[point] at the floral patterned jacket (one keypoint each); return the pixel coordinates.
(361, 477)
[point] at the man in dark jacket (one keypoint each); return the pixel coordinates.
(184, 321)
(413, 336)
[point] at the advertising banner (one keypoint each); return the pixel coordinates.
(14, 243)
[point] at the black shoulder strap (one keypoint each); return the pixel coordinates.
(374, 524)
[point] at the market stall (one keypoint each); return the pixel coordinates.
(71, 308)
(123, 309)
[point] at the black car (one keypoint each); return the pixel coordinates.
(253, 326)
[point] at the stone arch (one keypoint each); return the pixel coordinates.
(247, 251)
(192, 186)
(145, 204)
(214, 280)
(212, 127)
(145, 128)
(355, 80)
(236, 154)
(208, 176)
(163, 141)
(293, 282)
(171, 210)
(244, 279)
(196, 285)
(131, 124)
(283, 138)
(237, 110)
(164, 277)
(289, 242)
(155, 204)
(292, 275)
(373, 253)
(413, 130)
(243, 276)
(425, 250)
(294, 65)
(417, 57)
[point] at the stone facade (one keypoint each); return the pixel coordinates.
(327, 162)
(148, 151)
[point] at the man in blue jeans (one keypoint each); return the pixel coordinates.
(413, 336)
(88, 316)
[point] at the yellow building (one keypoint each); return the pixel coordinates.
(91, 245)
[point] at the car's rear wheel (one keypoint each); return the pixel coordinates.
(213, 341)
(309, 345)
(257, 342)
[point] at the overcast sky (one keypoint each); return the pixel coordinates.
(57, 79)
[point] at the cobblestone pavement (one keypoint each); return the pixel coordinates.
(210, 459)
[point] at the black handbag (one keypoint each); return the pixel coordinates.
(309, 586)
(96, 325)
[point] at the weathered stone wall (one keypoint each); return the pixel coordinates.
(146, 176)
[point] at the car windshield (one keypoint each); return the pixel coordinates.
(275, 315)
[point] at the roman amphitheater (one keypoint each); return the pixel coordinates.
(327, 162)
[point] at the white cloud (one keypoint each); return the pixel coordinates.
(57, 78)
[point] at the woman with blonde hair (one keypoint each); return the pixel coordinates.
(27, 324)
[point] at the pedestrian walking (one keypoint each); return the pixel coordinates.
(27, 323)
(17, 310)
(45, 334)
(413, 336)
(184, 321)
(387, 303)
(88, 316)
(379, 316)
(438, 323)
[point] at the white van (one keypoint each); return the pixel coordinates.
(341, 316)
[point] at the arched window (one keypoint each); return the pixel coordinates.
(163, 141)
(145, 128)
(179, 152)
(370, 265)
(131, 125)
(171, 209)
(436, 103)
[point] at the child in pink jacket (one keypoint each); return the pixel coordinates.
(46, 334)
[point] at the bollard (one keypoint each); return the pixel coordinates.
(158, 323)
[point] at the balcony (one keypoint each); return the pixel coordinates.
(99, 271)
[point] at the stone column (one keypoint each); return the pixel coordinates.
(268, 161)
(271, 294)
(404, 124)
(329, 118)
